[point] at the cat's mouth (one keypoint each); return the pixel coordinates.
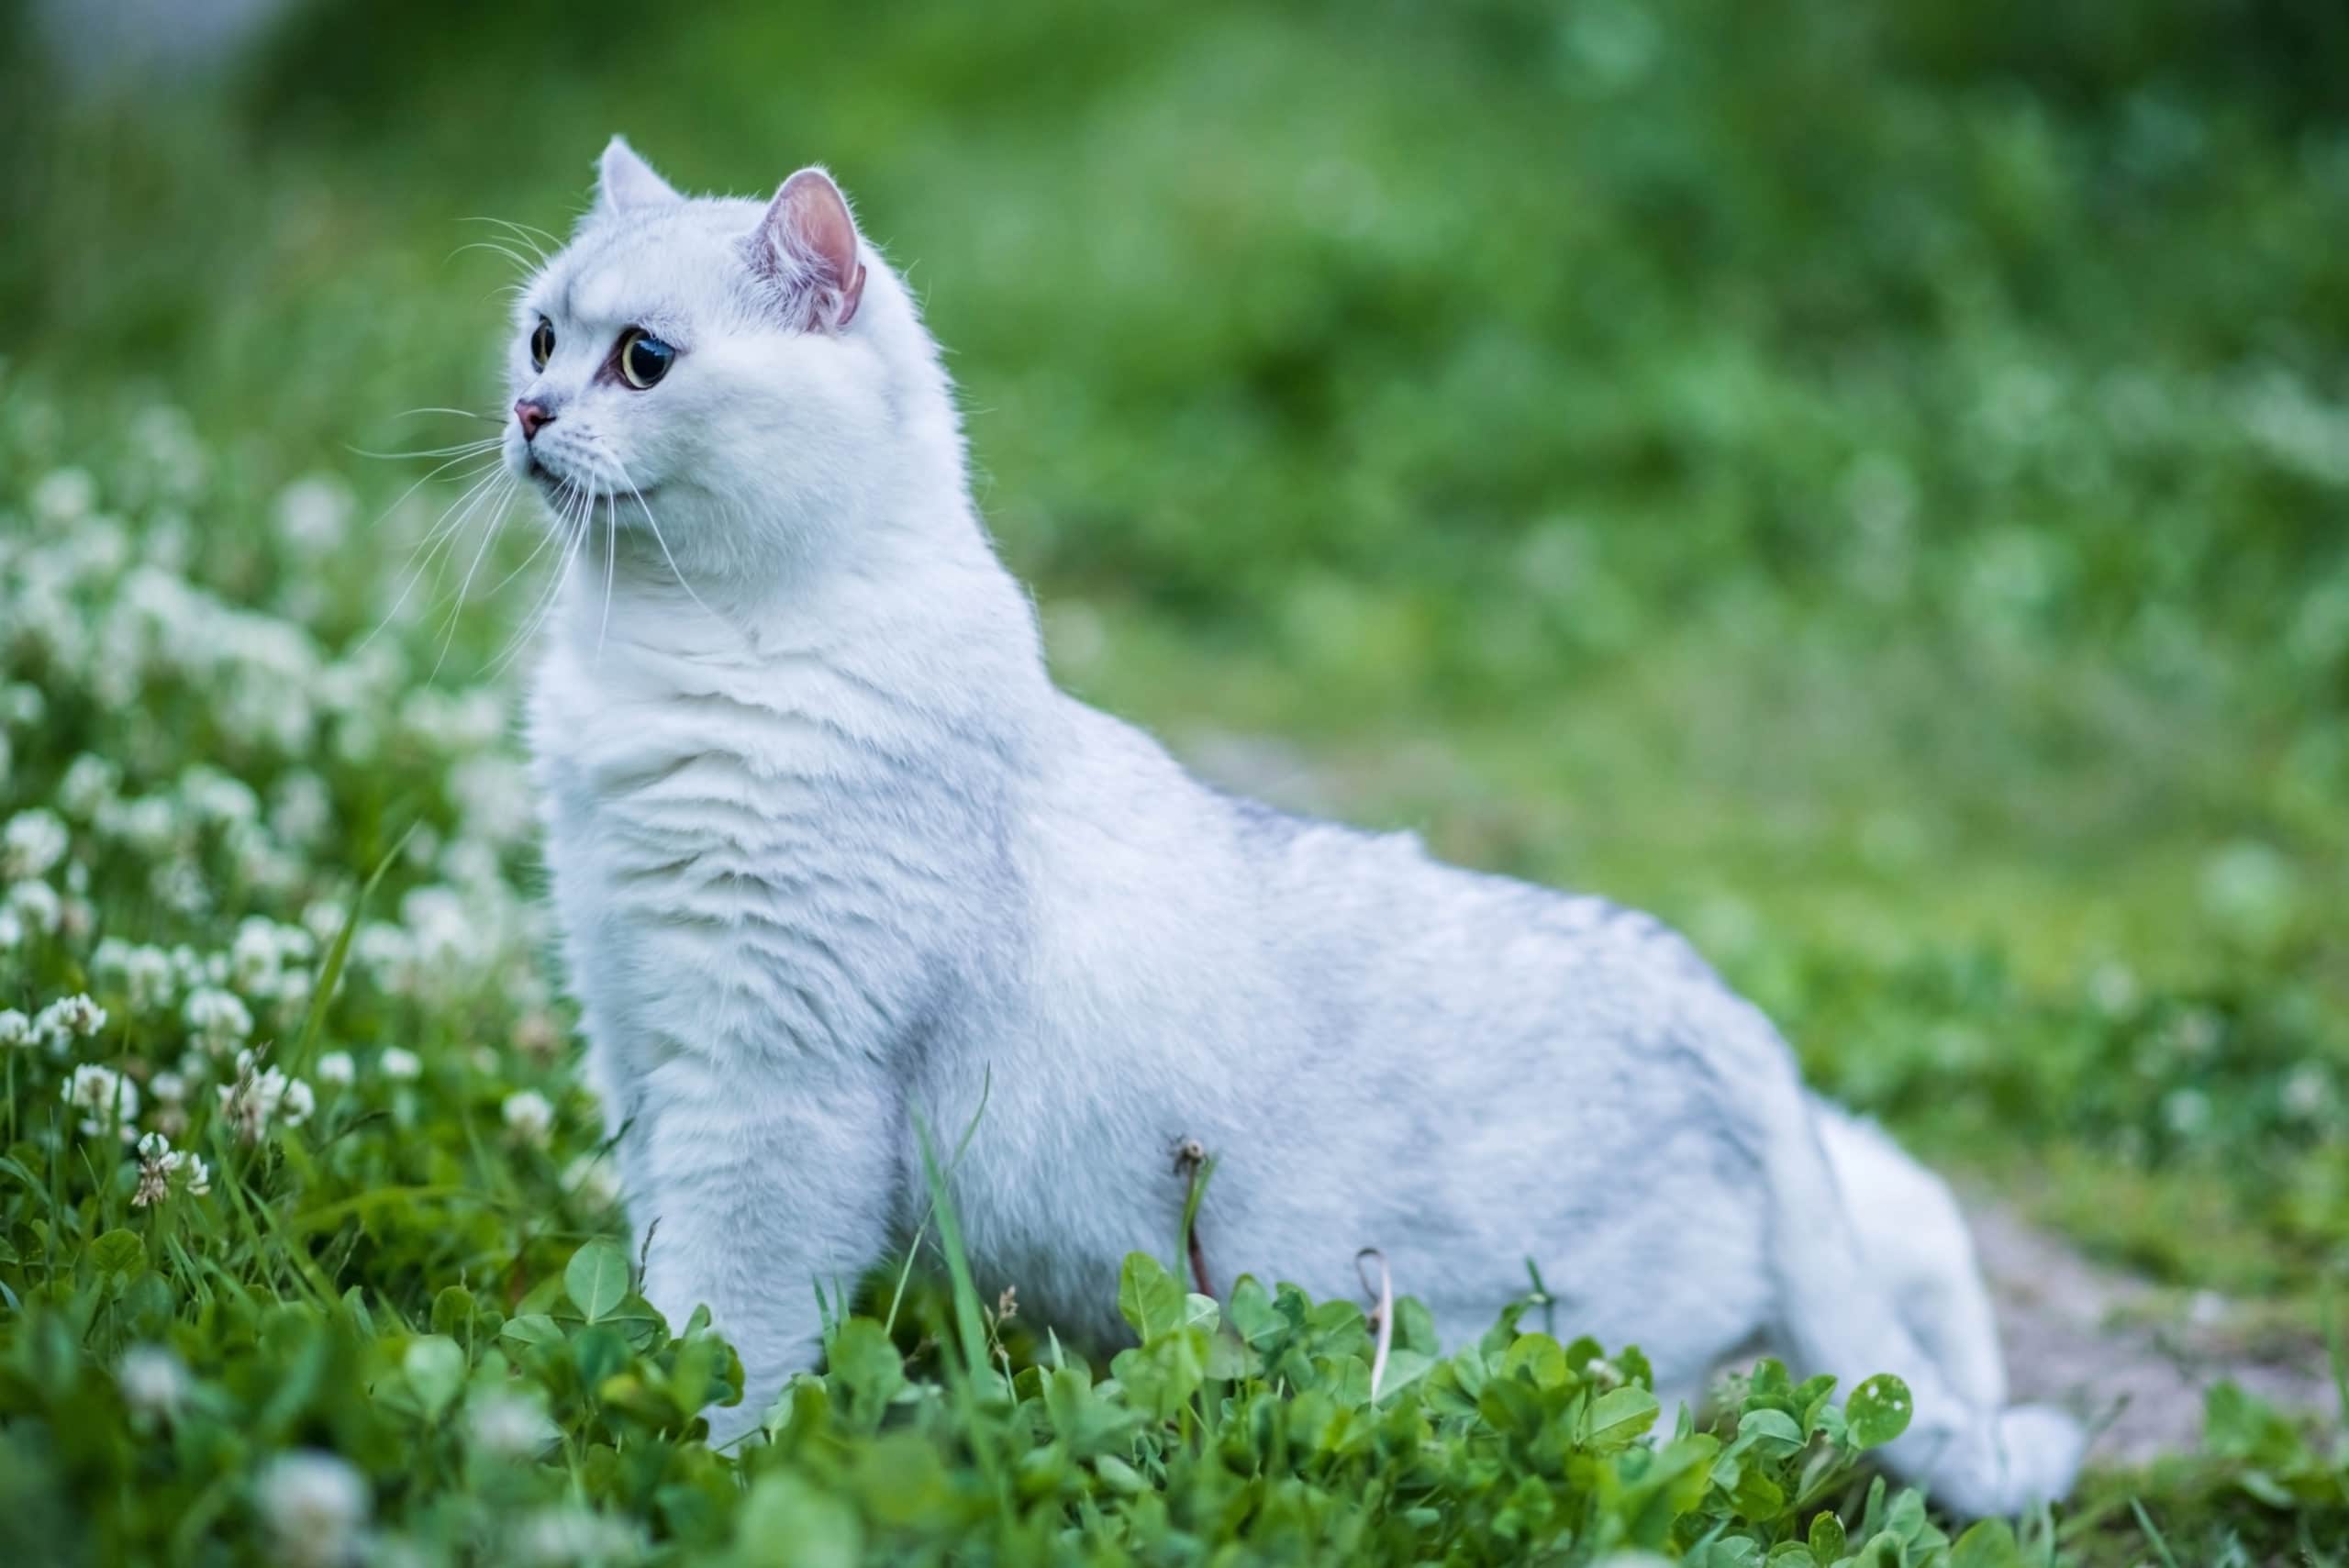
(559, 487)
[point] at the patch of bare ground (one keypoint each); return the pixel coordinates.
(2132, 1358)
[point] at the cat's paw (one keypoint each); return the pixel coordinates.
(2042, 1447)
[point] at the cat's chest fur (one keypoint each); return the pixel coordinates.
(764, 863)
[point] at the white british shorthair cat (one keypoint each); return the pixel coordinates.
(830, 850)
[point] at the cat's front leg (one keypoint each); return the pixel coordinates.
(762, 1185)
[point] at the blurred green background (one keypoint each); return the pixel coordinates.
(1866, 481)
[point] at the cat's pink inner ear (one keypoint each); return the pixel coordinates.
(809, 225)
(624, 181)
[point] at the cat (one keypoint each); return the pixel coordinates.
(830, 852)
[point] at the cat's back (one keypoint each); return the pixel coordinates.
(1491, 953)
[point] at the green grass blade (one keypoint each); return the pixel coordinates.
(329, 973)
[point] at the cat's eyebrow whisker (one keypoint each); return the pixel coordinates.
(522, 233)
(521, 261)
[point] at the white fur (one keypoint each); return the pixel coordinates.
(831, 851)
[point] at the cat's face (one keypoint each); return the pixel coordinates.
(713, 370)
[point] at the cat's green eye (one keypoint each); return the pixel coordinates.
(643, 359)
(541, 344)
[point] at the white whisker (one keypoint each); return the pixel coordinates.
(426, 549)
(562, 573)
(459, 413)
(611, 563)
(488, 537)
(659, 538)
(463, 449)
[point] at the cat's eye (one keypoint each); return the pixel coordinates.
(541, 344)
(644, 358)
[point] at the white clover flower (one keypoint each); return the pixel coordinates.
(262, 861)
(12, 930)
(301, 810)
(471, 863)
(110, 962)
(65, 495)
(159, 1165)
(255, 955)
(179, 886)
(262, 1095)
(21, 703)
(88, 787)
(215, 796)
(148, 978)
(565, 1534)
(509, 1425)
(385, 951)
(593, 1179)
(313, 512)
(33, 842)
(153, 1381)
(168, 1088)
(109, 1098)
(536, 1036)
(66, 1020)
(314, 1505)
(218, 1020)
(337, 1068)
(493, 794)
(154, 1171)
(2187, 1111)
(148, 825)
(322, 919)
(167, 441)
(16, 1030)
(528, 1116)
(400, 1066)
(36, 906)
(2307, 1090)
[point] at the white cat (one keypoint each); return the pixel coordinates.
(830, 850)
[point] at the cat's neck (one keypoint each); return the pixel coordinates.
(926, 610)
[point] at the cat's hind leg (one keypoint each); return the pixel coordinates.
(1840, 1311)
(1916, 1238)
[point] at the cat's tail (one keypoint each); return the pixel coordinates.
(1875, 1274)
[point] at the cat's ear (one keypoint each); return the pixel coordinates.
(804, 246)
(625, 182)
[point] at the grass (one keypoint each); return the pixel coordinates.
(1867, 486)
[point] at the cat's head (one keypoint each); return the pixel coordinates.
(732, 382)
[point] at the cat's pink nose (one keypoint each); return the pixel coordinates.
(532, 416)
